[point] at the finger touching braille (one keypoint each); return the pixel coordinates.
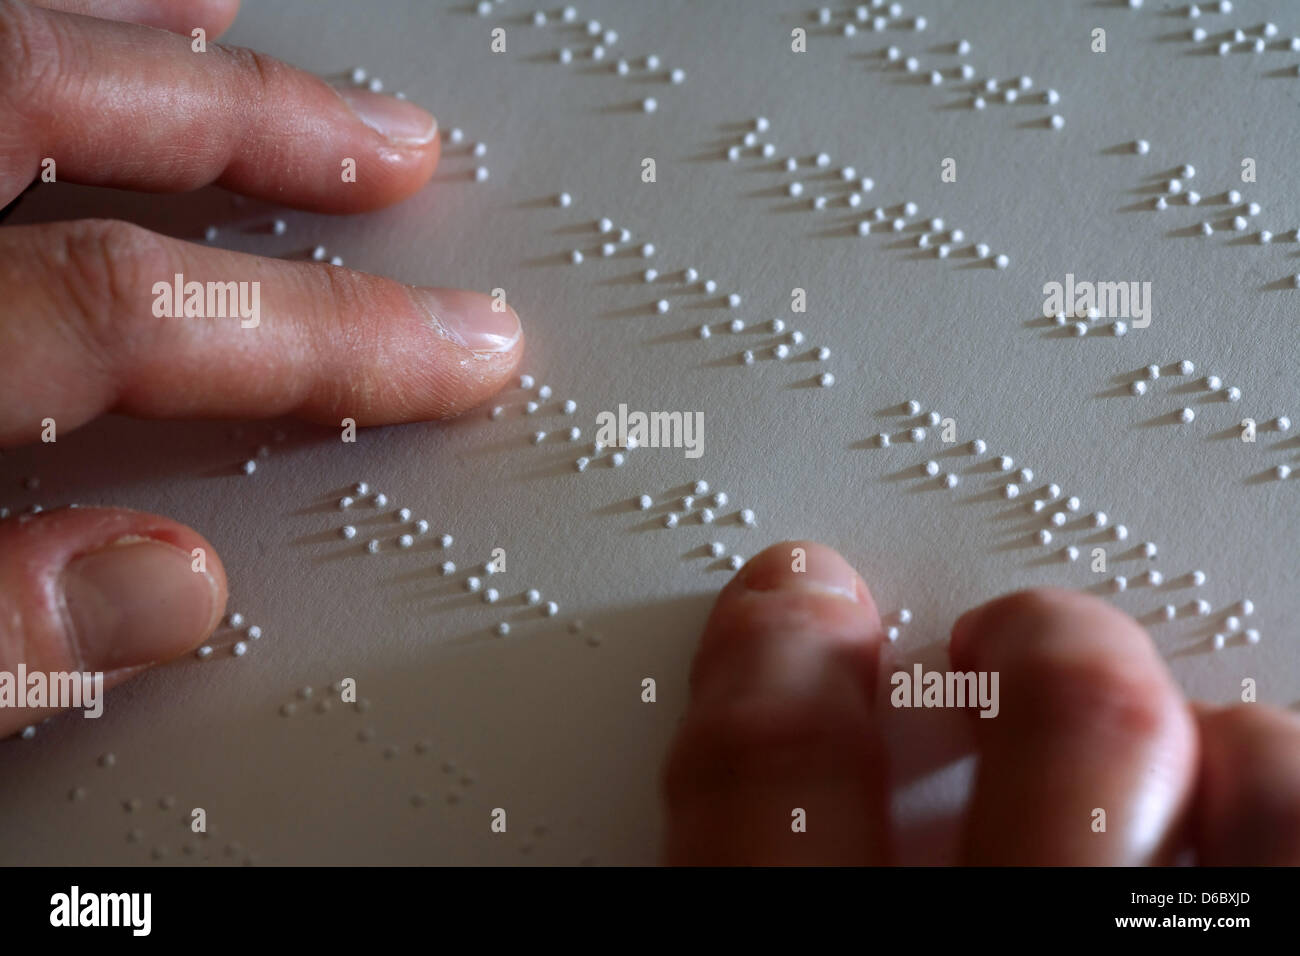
(779, 759)
(119, 104)
(1090, 758)
(97, 321)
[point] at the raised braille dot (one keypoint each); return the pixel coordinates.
(1186, 416)
(917, 434)
(1010, 490)
(978, 446)
(1282, 472)
(1119, 583)
(1044, 536)
(1232, 623)
(239, 649)
(1001, 261)
(373, 545)
(203, 652)
(1281, 423)
(1058, 518)
(1120, 532)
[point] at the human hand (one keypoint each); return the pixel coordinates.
(781, 718)
(121, 101)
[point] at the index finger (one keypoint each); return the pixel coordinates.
(123, 105)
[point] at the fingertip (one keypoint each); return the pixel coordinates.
(106, 589)
(219, 14)
(795, 619)
(1000, 624)
(1088, 721)
(780, 720)
(802, 566)
(397, 150)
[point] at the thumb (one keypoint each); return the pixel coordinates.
(97, 590)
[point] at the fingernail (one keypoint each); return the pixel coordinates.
(802, 566)
(481, 323)
(136, 601)
(401, 122)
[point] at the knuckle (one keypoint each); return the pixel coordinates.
(106, 268)
(31, 54)
(259, 75)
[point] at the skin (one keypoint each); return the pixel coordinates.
(782, 711)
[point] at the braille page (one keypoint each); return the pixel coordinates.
(861, 257)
